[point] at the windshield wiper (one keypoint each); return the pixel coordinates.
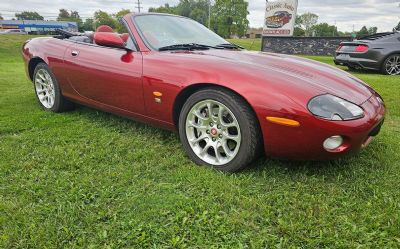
(229, 46)
(187, 46)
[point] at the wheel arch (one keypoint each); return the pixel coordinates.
(33, 62)
(186, 92)
(382, 64)
(388, 55)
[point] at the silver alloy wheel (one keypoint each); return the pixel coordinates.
(213, 132)
(392, 65)
(44, 88)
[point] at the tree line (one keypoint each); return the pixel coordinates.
(228, 18)
(90, 24)
(307, 25)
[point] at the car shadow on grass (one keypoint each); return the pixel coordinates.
(365, 161)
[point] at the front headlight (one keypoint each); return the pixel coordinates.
(334, 108)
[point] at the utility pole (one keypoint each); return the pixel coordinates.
(209, 14)
(138, 6)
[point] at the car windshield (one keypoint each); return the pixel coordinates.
(162, 30)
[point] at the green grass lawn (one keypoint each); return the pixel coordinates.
(94, 180)
(250, 44)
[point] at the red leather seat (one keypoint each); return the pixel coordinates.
(104, 28)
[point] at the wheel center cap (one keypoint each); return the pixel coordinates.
(214, 131)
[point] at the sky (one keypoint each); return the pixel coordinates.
(384, 14)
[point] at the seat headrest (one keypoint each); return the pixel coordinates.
(104, 28)
(108, 39)
(125, 37)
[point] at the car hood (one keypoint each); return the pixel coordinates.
(302, 72)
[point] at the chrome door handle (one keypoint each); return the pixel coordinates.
(74, 53)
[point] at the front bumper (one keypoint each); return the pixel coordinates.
(306, 141)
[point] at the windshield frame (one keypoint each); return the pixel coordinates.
(139, 31)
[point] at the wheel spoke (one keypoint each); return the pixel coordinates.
(226, 149)
(200, 116)
(192, 124)
(205, 149)
(228, 136)
(40, 91)
(221, 114)
(43, 78)
(217, 154)
(229, 125)
(201, 138)
(209, 110)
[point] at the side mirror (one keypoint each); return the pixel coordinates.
(108, 39)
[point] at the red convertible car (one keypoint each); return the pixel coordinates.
(227, 104)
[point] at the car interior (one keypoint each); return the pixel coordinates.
(97, 37)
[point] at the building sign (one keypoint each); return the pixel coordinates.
(280, 17)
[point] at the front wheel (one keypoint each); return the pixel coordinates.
(218, 128)
(391, 66)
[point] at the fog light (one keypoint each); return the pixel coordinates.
(333, 143)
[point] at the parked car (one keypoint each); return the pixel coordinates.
(13, 32)
(279, 19)
(227, 104)
(379, 52)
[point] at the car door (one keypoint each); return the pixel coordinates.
(110, 76)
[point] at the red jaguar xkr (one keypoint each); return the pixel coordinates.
(227, 104)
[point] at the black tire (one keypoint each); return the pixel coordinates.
(351, 68)
(61, 104)
(383, 69)
(251, 137)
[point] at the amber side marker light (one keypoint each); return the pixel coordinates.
(283, 121)
(157, 94)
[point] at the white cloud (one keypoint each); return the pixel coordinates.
(384, 14)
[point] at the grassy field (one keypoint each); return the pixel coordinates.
(249, 44)
(90, 179)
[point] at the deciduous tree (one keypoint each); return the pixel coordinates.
(397, 28)
(103, 18)
(120, 26)
(195, 9)
(363, 32)
(298, 30)
(28, 15)
(72, 16)
(307, 21)
(88, 25)
(63, 15)
(164, 9)
(372, 30)
(324, 29)
(230, 17)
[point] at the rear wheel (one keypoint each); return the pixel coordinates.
(391, 66)
(217, 128)
(48, 91)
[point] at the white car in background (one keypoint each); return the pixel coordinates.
(13, 32)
